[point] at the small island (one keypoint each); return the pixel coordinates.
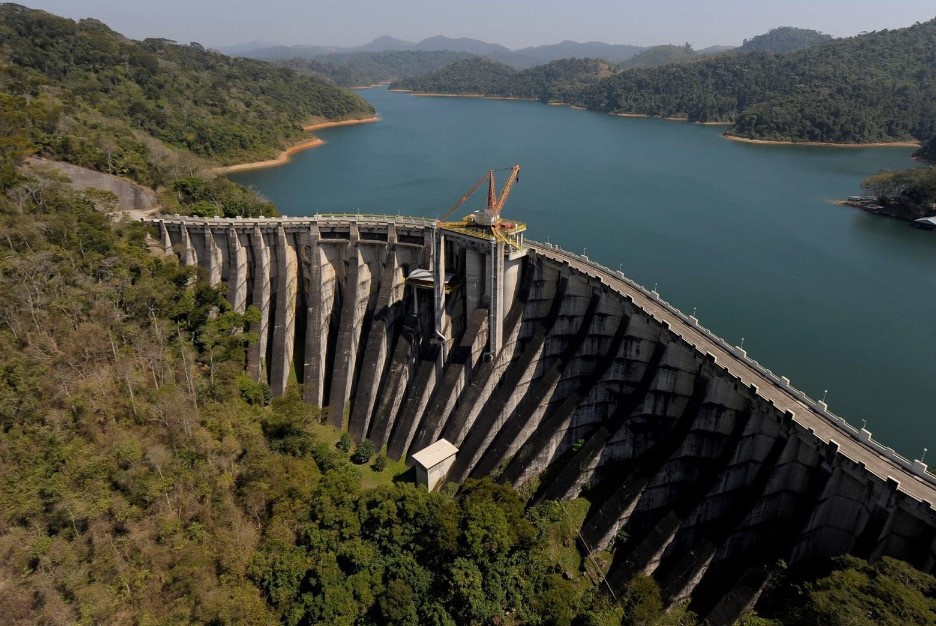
(908, 194)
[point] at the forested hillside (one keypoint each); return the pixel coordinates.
(784, 40)
(470, 76)
(661, 55)
(82, 93)
(555, 81)
(877, 87)
(367, 68)
(870, 88)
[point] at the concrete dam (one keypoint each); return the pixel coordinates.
(549, 371)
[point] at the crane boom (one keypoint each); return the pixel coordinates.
(465, 197)
(514, 177)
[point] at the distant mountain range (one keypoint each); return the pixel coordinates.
(521, 58)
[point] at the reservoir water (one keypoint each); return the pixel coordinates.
(841, 302)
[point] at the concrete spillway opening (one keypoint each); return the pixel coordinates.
(701, 468)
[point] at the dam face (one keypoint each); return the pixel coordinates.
(551, 372)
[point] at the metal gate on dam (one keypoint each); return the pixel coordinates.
(702, 467)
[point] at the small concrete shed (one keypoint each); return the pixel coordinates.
(433, 463)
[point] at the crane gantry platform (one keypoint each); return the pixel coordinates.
(487, 223)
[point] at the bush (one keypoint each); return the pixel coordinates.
(380, 464)
(344, 444)
(364, 452)
(253, 392)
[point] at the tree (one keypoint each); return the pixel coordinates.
(363, 453)
(397, 605)
(642, 603)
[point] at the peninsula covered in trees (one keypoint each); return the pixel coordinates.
(875, 87)
(555, 81)
(82, 93)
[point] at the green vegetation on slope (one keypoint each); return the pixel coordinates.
(784, 40)
(851, 592)
(555, 81)
(368, 68)
(97, 99)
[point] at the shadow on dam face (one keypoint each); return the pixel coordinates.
(702, 468)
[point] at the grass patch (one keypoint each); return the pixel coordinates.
(370, 479)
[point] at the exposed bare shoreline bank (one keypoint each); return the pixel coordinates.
(431, 94)
(380, 84)
(671, 119)
(286, 154)
(770, 142)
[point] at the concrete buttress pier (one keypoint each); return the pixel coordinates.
(540, 365)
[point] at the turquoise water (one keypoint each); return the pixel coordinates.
(831, 297)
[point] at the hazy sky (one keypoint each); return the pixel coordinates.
(513, 23)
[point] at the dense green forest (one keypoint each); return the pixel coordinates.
(875, 87)
(661, 55)
(785, 39)
(555, 81)
(870, 88)
(368, 68)
(95, 98)
(470, 76)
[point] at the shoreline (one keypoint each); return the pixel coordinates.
(287, 154)
(432, 94)
(356, 87)
(770, 142)
(320, 125)
(883, 211)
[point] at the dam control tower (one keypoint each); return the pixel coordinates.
(486, 252)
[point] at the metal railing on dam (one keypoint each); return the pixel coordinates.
(860, 436)
(321, 219)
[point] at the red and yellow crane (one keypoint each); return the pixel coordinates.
(487, 223)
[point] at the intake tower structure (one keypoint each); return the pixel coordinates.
(544, 368)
